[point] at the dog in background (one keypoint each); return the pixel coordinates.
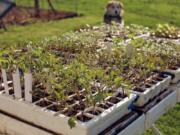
(114, 12)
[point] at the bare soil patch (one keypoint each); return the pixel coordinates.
(25, 15)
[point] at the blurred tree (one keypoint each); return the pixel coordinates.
(37, 7)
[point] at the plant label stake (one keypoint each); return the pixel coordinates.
(129, 50)
(109, 46)
(5, 82)
(17, 84)
(28, 87)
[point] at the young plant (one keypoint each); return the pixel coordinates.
(167, 31)
(72, 122)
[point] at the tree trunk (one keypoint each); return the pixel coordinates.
(2, 25)
(37, 8)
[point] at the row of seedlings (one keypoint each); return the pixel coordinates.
(91, 107)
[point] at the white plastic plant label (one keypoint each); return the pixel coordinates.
(129, 50)
(17, 84)
(5, 82)
(28, 87)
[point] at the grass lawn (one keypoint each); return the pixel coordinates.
(145, 12)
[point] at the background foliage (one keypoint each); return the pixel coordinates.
(145, 12)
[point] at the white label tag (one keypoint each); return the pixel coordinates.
(5, 82)
(17, 84)
(28, 87)
(129, 50)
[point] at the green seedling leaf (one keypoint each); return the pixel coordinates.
(72, 122)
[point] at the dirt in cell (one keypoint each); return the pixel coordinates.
(43, 103)
(95, 112)
(113, 100)
(83, 118)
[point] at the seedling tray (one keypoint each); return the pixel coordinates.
(176, 87)
(153, 102)
(56, 122)
(159, 109)
(175, 41)
(128, 41)
(130, 124)
(152, 91)
(175, 73)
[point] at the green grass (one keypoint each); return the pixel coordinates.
(145, 12)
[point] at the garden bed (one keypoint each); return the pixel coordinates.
(26, 15)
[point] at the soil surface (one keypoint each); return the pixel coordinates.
(25, 15)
